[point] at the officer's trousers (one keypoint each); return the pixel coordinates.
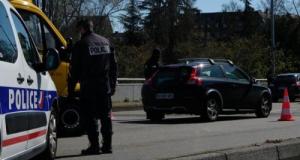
(95, 108)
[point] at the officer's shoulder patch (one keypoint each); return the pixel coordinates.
(99, 50)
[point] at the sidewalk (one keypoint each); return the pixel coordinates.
(278, 149)
(126, 106)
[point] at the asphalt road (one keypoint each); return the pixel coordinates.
(138, 139)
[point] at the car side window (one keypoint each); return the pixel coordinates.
(27, 45)
(211, 71)
(234, 73)
(8, 49)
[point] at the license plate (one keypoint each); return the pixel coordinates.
(164, 96)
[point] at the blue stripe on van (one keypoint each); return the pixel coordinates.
(21, 99)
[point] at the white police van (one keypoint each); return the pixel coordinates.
(28, 98)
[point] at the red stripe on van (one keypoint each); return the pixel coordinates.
(23, 138)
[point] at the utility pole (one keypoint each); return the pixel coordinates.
(273, 47)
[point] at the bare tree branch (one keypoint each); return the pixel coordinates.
(295, 8)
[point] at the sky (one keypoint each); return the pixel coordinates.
(216, 5)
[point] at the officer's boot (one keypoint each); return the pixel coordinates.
(106, 144)
(94, 146)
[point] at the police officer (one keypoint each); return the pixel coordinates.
(93, 64)
(152, 64)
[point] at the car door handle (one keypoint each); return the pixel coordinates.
(29, 80)
(20, 79)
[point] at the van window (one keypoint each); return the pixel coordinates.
(8, 51)
(27, 45)
(32, 23)
(37, 27)
(50, 40)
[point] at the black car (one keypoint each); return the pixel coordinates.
(204, 87)
(291, 81)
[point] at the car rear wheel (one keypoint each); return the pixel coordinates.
(210, 109)
(264, 107)
(155, 116)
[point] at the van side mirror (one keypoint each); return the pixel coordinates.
(51, 61)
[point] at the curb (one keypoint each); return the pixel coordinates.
(130, 106)
(277, 150)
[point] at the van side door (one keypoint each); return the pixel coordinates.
(14, 122)
(35, 84)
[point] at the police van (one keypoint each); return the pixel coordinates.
(28, 97)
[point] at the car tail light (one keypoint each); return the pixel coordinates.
(194, 80)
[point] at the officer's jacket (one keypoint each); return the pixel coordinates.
(93, 63)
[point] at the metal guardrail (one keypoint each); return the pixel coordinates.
(130, 80)
(263, 82)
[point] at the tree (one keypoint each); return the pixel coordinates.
(164, 22)
(62, 12)
(281, 7)
(248, 6)
(132, 23)
(103, 7)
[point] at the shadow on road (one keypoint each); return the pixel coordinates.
(73, 156)
(186, 120)
(74, 135)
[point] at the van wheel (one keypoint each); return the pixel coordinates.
(70, 120)
(264, 107)
(209, 111)
(50, 151)
(155, 116)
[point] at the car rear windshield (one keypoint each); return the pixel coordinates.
(286, 79)
(172, 75)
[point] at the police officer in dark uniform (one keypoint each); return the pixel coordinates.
(93, 64)
(152, 64)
